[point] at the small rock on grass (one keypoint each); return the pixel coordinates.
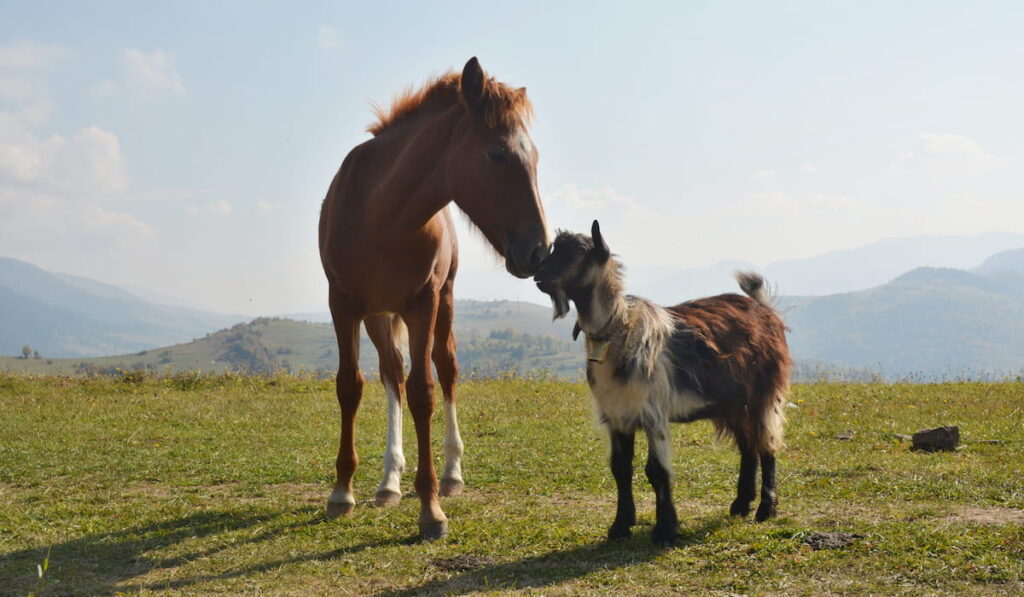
(830, 540)
(943, 439)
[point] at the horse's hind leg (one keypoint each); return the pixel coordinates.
(380, 330)
(350, 392)
(447, 372)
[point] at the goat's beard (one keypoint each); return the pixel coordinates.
(559, 302)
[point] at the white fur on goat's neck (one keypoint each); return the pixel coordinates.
(638, 331)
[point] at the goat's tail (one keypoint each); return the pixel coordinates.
(753, 285)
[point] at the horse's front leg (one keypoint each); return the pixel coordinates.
(420, 391)
(622, 470)
(659, 473)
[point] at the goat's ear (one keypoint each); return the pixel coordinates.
(576, 331)
(472, 86)
(600, 247)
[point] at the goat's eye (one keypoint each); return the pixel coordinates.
(497, 154)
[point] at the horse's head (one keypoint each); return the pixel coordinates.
(492, 170)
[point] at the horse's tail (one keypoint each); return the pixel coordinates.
(399, 331)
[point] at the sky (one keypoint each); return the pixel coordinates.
(184, 148)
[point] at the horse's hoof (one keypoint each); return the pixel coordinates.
(386, 497)
(336, 509)
(451, 487)
(432, 531)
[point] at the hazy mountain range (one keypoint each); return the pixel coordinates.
(61, 315)
(920, 323)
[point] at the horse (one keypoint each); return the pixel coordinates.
(389, 251)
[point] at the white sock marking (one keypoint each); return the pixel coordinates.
(394, 456)
(452, 444)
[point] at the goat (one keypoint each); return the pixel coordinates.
(722, 358)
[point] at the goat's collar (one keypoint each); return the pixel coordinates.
(600, 341)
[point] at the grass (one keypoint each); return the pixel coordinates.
(207, 485)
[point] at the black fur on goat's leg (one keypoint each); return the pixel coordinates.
(746, 486)
(658, 473)
(769, 499)
(622, 470)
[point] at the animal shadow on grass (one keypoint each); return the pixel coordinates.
(556, 567)
(102, 563)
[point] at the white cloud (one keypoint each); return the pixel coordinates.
(213, 208)
(155, 71)
(937, 145)
(29, 55)
(34, 221)
(90, 163)
(947, 155)
(327, 37)
(766, 174)
(267, 206)
(808, 168)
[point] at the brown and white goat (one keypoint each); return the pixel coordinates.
(722, 358)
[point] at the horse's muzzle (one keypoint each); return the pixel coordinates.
(523, 264)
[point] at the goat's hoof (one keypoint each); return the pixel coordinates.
(386, 497)
(336, 509)
(451, 487)
(432, 531)
(619, 531)
(739, 508)
(765, 511)
(664, 536)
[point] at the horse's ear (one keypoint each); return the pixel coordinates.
(472, 86)
(601, 249)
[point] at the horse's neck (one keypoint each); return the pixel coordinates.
(413, 189)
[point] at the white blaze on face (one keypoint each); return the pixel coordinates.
(394, 456)
(452, 444)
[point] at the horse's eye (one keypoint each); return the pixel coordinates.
(497, 153)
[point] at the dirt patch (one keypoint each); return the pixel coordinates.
(462, 563)
(990, 516)
(830, 540)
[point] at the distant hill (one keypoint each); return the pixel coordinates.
(928, 324)
(69, 316)
(838, 271)
(268, 344)
(1006, 261)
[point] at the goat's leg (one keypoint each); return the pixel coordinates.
(658, 471)
(769, 499)
(622, 470)
(746, 486)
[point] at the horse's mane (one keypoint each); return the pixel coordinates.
(502, 105)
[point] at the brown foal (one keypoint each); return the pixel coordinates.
(388, 247)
